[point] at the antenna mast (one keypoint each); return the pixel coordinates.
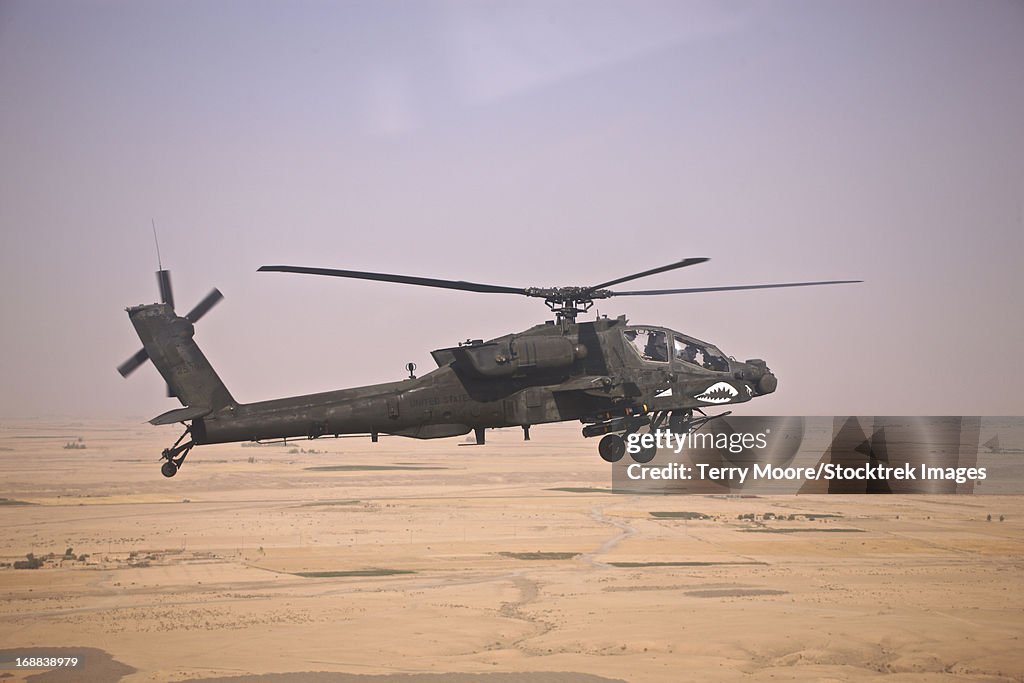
(159, 264)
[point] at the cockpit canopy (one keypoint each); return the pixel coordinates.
(652, 345)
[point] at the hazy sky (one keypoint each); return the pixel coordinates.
(526, 144)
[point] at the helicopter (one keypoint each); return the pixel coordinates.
(614, 378)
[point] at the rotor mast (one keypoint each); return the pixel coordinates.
(568, 302)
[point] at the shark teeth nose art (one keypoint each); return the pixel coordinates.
(722, 392)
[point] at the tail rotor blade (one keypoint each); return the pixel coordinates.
(132, 364)
(204, 306)
(163, 279)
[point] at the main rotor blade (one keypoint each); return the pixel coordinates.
(654, 271)
(693, 290)
(132, 364)
(204, 306)
(400, 279)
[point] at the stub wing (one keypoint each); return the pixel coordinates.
(591, 385)
(180, 415)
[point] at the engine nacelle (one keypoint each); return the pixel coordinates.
(522, 356)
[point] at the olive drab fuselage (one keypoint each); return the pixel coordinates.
(549, 373)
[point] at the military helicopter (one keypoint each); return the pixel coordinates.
(615, 378)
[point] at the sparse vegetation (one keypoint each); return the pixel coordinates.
(679, 515)
(734, 593)
(768, 516)
(539, 555)
(325, 503)
(353, 573)
(30, 562)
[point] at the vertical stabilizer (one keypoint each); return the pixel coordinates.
(168, 341)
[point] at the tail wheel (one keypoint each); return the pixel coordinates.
(611, 448)
(168, 469)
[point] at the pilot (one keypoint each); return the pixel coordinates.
(690, 353)
(656, 349)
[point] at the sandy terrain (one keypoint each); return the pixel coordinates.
(470, 560)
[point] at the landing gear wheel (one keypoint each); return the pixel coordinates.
(645, 455)
(175, 455)
(611, 448)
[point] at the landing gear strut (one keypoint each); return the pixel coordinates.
(175, 455)
(683, 421)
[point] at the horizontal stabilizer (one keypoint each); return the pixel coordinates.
(180, 415)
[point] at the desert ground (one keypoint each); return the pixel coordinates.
(511, 562)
